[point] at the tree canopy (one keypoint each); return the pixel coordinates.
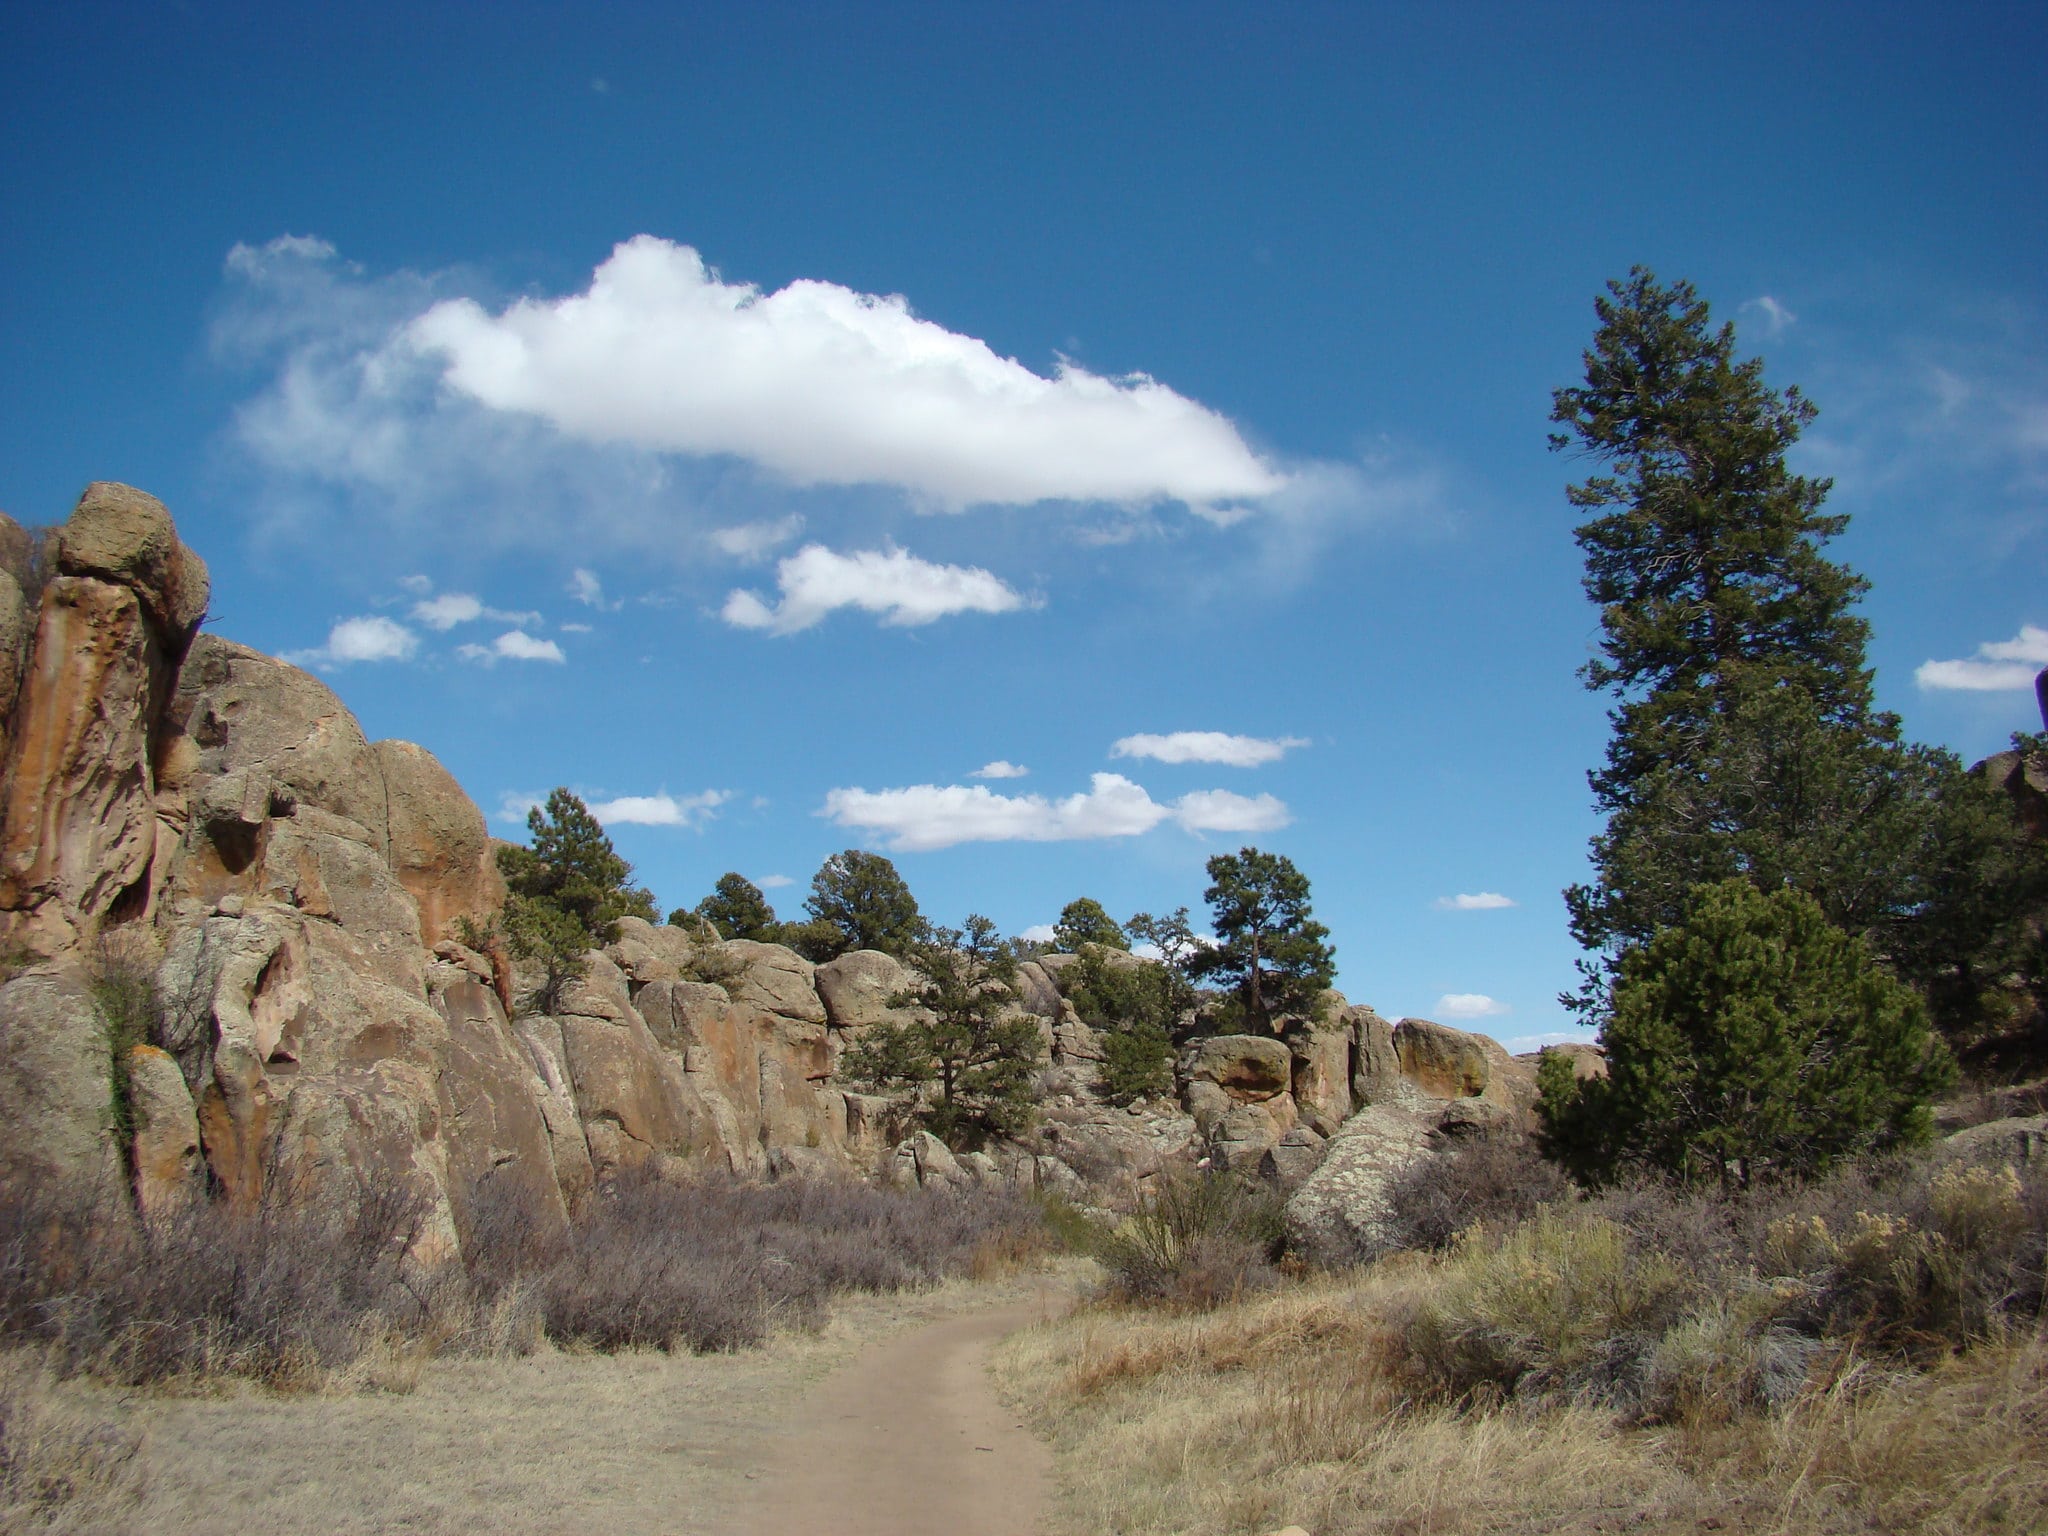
(737, 909)
(859, 901)
(568, 890)
(1084, 920)
(962, 1063)
(1269, 951)
(1751, 1039)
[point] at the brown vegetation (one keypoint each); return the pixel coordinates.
(1862, 1354)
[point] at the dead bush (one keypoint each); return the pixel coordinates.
(714, 1263)
(1195, 1240)
(277, 1293)
(1492, 1181)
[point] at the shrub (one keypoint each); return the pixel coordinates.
(715, 1264)
(278, 1293)
(61, 1468)
(1560, 1307)
(1195, 1240)
(1753, 1039)
(1492, 1181)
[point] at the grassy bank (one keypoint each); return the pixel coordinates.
(1860, 1355)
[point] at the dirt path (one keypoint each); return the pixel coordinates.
(908, 1440)
(869, 1427)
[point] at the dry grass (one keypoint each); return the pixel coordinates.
(63, 1465)
(1303, 1406)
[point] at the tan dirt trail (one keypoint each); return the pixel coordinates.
(872, 1426)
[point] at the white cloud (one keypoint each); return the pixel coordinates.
(418, 586)
(447, 610)
(453, 608)
(903, 589)
(1998, 664)
(1218, 810)
(773, 882)
(513, 645)
(1481, 901)
(1469, 1005)
(923, 817)
(752, 541)
(999, 769)
(1208, 747)
(369, 638)
(662, 810)
(514, 804)
(823, 385)
(1037, 933)
(1776, 317)
(575, 629)
(587, 589)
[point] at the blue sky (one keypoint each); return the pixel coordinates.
(766, 419)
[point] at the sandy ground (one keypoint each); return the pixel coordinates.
(883, 1423)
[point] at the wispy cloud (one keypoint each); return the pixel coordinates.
(1998, 664)
(752, 541)
(1772, 314)
(903, 589)
(1208, 747)
(1479, 901)
(1470, 1005)
(924, 817)
(663, 810)
(773, 882)
(513, 645)
(371, 637)
(999, 769)
(448, 609)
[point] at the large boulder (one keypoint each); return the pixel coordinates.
(1343, 1211)
(774, 979)
(14, 633)
(1323, 1051)
(1450, 1063)
(120, 534)
(857, 989)
(1247, 1068)
(2019, 1139)
(56, 1098)
(170, 1171)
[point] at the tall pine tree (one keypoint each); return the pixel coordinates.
(1744, 739)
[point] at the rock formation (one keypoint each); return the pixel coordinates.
(210, 825)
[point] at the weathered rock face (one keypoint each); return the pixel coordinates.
(1343, 1210)
(56, 1091)
(325, 1031)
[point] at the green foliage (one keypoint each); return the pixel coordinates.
(568, 891)
(121, 978)
(1752, 1039)
(1972, 938)
(1083, 921)
(859, 901)
(1745, 742)
(1269, 950)
(1134, 1005)
(961, 1065)
(737, 909)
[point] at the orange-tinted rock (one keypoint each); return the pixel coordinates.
(437, 843)
(78, 829)
(120, 534)
(169, 1169)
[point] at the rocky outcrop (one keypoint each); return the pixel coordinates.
(307, 897)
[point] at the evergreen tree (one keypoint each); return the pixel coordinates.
(961, 1064)
(737, 909)
(1744, 741)
(1269, 951)
(859, 901)
(1084, 921)
(567, 892)
(1752, 1038)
